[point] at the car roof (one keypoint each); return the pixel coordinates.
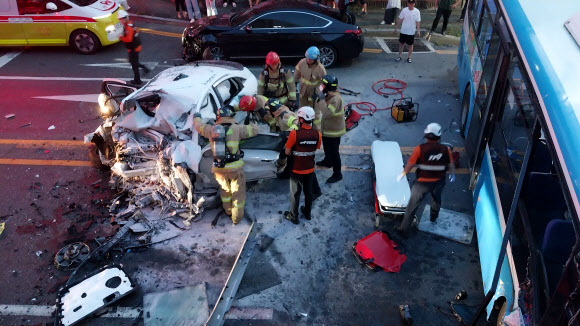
(289, 4)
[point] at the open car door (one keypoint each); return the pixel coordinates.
(113, 91)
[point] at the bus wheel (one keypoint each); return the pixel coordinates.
(84, 42)
(465, 110)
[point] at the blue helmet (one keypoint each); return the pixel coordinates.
(312, 53)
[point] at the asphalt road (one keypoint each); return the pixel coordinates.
(49, 190)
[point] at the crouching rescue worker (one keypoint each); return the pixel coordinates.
(433, 159)
(309, 72)
(277, 82)
(133, 43)
(285, 120)
(228, 167)
(302, 145)
(257, 105)
(329, 103)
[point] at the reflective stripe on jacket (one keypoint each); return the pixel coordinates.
(286, 119)
(281, 87)
(234, 134)
(333, 122)
(304, 150)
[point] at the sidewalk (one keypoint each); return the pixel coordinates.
(166, 9)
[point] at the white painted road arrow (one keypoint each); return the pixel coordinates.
(126, 65)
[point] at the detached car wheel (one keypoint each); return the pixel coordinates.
(214, 52)
(85, 42)
(328, 56)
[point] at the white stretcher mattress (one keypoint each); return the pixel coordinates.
(392, 195)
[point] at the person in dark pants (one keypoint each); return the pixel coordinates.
(131, 39)
(444, 8)
(391, 12)
(433, 159)
(330, 105)
(180, 8)
(463, 11)
(302, 145)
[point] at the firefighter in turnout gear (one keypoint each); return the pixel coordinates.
(257, 105)
(308, 73)
(302, 145)
(133, 43)
(277, 82)
(329, 103)
(285, 120)
(432, 159)
(228, 166)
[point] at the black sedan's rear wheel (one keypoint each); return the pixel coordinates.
(328, 55)
(213, 52)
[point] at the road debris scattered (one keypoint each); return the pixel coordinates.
(2, 225)
(39, 253)
(71, 255)
(405, 315)
(51, 127)
(25, 125)
(10, 116)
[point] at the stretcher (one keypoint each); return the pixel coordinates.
(391, 196)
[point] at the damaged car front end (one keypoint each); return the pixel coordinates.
(148, 141)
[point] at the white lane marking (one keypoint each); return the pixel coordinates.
(127, 312)
(89, 98)
(8, 57)
(383, 45)
(60, 78)
(126, 65)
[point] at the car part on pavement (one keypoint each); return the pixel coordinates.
(405, 315)
(228, 293)
(71, 255)
(102, 288)
(378, 250)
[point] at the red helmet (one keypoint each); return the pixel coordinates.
(247, 103)
(272, 59)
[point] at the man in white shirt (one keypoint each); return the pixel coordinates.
(409, 21)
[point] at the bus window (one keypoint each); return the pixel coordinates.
(485, 33)
(492, 8)
(489, 64)
(476, 13)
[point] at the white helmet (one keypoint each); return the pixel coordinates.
(306, 113)
(122, 14)
(433, 128)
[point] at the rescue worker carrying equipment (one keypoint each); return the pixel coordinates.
(302, 145)
(133, 43)
(329, 103)
(308, 73)
(257, 105)
(275, 81)
(433, 159)
(228, 167)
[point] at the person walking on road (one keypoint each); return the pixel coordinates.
(210, 6)
(302, 145)
(192, 10)
(444, 8)
(275, 81)
(410, 23)
(309, 72)
(391, 12)
(228, 166)
(329, 102)
(133, 43)
(432, 159)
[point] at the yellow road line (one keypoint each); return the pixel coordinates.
(373, 50)
(13, 161)
(34, 143)
(446, 51)
(152, 31)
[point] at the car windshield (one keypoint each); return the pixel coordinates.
(83, 3)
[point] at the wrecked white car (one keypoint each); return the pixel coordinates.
(148, 140)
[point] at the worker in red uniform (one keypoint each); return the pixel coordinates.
(302, 144)
(133, 43)
(432, 159)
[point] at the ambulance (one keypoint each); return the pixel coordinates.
(86, 25)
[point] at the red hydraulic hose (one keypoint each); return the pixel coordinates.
(384, 88)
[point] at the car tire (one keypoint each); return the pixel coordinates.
(84, 41)
(465, 110)
(328, 55)
(214, 52)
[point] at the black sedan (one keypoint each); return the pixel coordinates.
(287, 27)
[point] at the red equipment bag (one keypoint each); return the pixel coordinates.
(352, 118)
(377, 250)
